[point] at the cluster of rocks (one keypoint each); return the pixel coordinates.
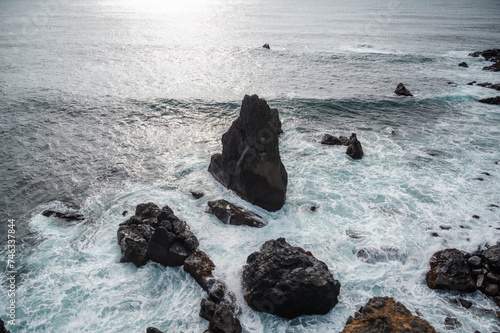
(384, 314)
(452, 269)
(287, 281)
(354, 149)
(229, 213)
(158, 235)
(491, 100)
(250, 162)
(490, 55)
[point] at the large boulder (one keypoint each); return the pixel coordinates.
(383, 314)
(450, 271)
(200, 267)
(250, 162)
(232, 214)
(155, 234)
(402, 91)
(287, 281)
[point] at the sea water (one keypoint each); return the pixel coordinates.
(106, 104)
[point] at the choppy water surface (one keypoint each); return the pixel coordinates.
(107, 104)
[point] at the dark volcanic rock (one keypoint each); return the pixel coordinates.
(490, 85)
(492, 257)
(402, 91)
(153, 330)
(383, 314)
(491, 100)
(287, 281)
(220, 309)
(197, 195)
(2, 327)
(250, 162)
(200, 267)
(450, 271)
(452, 323)
(465, 303)
(463, 64)
(330, 140)
(73, 216)
(155, 234)
(231, 214)
(266, 46)
(493, 68)
(490, 55)
(224, 320)
(354, 150)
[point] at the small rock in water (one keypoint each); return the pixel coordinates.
(125, 212)
(393, 133)
(444, 227)
(312, 208)
(465, 303)
(228, 213)
(435, 234)
(266, 46)
(491, 100)
(373, 255)
(452, 323)
(331, 140)
(480, 179)
(485, 173)
(477, 217)
(493, 206)
(153, 330)
(73, 216)
(197, 195)
(402, 91)
(354, 150)
(471, 83)
(463, 64)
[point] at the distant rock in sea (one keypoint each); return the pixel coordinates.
(491, 100)
(288, 282)
(266, 46)
(197, 195)
(250, 163)
(463, 64)
(384, 314)
(490, 55)
(402, 91)
(489, 85)
(354, 150)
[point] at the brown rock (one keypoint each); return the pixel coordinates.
(200, 267)
(450, 271)
(383, 314)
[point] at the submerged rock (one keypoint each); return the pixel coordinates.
(250, 162)
(155, 234)
(491, 100)
(402, 91)
(383, 314)
(231, 214)
(287, 281)
(373, 255)
(450, 271)
(72, 216)
(354, 150)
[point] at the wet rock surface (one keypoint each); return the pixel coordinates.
(402, 91)
(383, 314)
(155, 234)
(250, 163)
(288, 282)
(72, 216)
(232, 214)
(354, 149)
(491, 100)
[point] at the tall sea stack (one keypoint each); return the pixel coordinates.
(250, 162)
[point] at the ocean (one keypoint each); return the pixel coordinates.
(105, 104)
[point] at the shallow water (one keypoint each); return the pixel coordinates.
(107, 104)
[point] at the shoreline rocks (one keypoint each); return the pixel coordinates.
(489, 55)
(384, 314)
(491, 100)
(250, 163)
(402, 91)
(228, 213)
(452, 269)
(288, 282)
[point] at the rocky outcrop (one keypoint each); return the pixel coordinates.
(383, 314)
(200, 267)
(354, 150)
(72, 216)
(452, 269)
(490, 55)
(287, 281)
(463, 64)
(250, 162)
(489, 85)
(155, 234)
(220, 309)
(2, 327)
(402, 91)
(493, 68)
(491, 100)
(231, 214)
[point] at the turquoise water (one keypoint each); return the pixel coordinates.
(107, 104)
